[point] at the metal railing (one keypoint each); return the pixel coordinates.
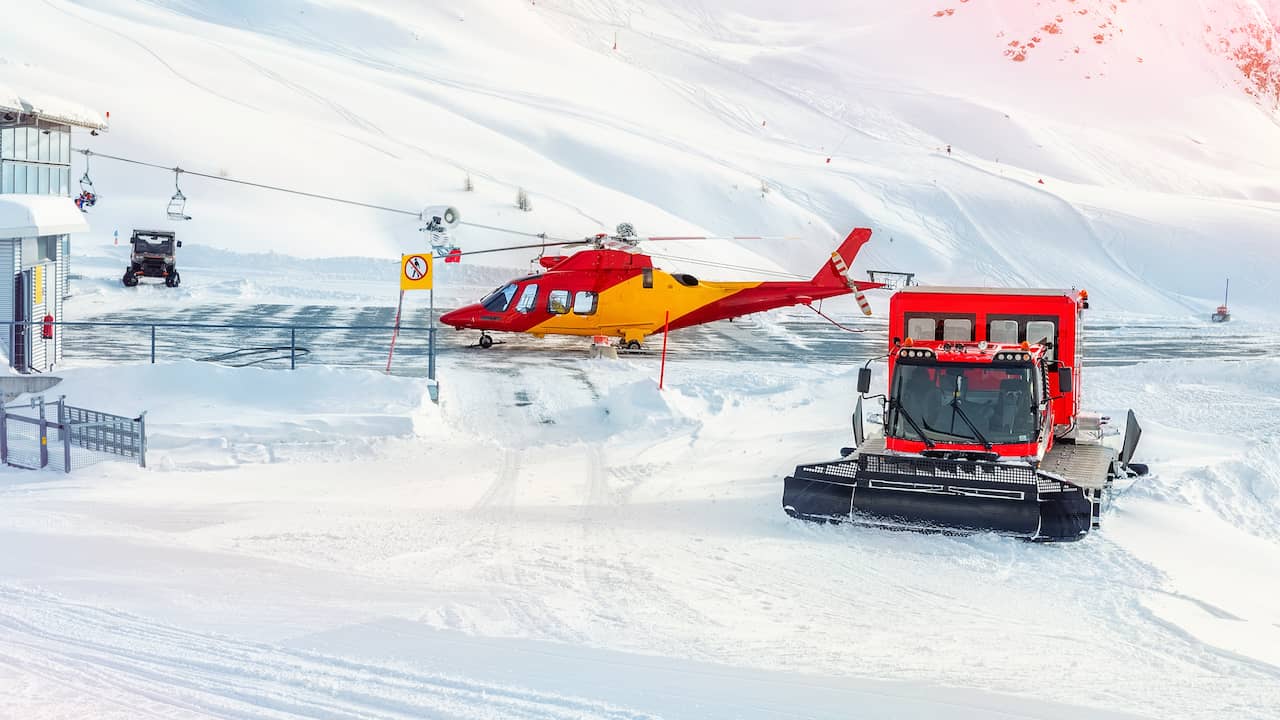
(199, 341)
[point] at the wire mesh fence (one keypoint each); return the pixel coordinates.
(65, 437)
(23, 440)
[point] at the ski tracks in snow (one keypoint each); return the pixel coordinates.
(502, 548)
(107, 663)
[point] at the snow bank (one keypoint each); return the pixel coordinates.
(204, 415)
(1211, 430)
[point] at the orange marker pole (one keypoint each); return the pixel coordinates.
(666, 330)
(395, 332)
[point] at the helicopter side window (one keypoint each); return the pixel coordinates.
(500, 299)
(558, 302)
(528, 298)
(646, 278)
(585, 302)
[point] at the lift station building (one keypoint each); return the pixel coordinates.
(37, 218)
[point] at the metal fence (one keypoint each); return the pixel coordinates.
(277, 345)
(73, 437)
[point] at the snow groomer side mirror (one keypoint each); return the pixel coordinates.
(864, 381)
(1064, 379)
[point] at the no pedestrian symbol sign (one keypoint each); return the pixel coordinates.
(415, 272)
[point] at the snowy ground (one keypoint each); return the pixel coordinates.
(556, 538)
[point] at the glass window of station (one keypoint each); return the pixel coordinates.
(35, 159)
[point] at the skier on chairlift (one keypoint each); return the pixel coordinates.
(85, 200)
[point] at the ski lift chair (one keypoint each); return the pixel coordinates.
(88, 196)
(177, 209)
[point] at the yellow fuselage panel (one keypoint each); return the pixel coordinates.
(631, 310)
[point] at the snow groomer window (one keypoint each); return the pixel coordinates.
(1004, 332)
(957, 330)
(1039, 331)
(922, 329)
(528, 298)
(558, 302)
(584, 303)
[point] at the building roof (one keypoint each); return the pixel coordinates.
(49, 108)
(27, 215)
(942, 290)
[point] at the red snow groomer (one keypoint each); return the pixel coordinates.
(982, 423)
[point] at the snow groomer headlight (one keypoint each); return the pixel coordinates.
(1013, 357)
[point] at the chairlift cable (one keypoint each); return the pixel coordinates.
(543, 237)
(178, 170)
(318, 196)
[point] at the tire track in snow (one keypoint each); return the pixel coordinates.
(157, 57)
(341, 111)
(162, 670)
(501, 492)
(500, 540)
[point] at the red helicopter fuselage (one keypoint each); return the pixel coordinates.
(621, 294)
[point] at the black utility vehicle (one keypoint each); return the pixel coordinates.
(154, 256)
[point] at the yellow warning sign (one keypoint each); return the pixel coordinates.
(415, 272)
(37, 281)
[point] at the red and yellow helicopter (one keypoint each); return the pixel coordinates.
(613, 290)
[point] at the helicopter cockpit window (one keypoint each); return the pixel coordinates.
(528, 298)
(558, 302)
(498, 300)
(584, 303)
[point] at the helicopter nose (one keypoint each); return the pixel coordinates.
(460, 318)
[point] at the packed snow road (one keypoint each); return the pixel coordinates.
(789, 335)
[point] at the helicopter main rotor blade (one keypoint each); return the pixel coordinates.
(524, 247)
(666, 238)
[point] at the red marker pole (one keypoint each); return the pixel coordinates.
(396, 332)
(666, 330)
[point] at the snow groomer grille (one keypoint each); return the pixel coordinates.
(890, 467)
(840, 469)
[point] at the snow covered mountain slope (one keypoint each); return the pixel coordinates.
(1153, 127)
